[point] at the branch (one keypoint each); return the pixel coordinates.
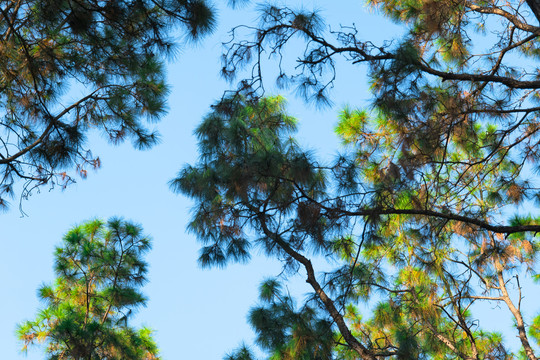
(6, 160)
(500, 229)
(512, 18)
(328, 303)
(507, 81)
(520, 324)
(446, 341)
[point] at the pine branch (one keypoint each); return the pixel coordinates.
(311, 279)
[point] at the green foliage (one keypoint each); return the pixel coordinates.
(389, 223)
(288, 333)
(99, 269)
(107, 55)
(249, 159)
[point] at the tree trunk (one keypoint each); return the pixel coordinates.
(535, 7)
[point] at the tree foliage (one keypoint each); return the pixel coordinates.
(420, 211)
(423, 206)
(418, 247)
(71, 66)
(100, 269)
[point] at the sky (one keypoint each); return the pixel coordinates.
(196, 313)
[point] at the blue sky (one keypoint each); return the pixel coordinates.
(197, 314)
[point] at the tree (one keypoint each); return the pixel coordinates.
(100, 269)
(69, 67)
(423, 205)
(255, 187)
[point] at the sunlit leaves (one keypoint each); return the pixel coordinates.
(350, 125)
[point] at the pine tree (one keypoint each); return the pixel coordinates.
(421, 208)
(110, 52)
(99, 269)
(426, 248)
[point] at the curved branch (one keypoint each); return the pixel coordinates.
(311, 279)
(507, 81)
(364, 56)
(510, 17)
(500, 229)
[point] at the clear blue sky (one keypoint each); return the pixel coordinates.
(197, 314)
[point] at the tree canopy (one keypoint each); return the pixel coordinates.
(100, 269)
(69, 67)
(256, 188)
(420, 221)
(420, 209)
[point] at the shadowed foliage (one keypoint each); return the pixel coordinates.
(71, 66)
